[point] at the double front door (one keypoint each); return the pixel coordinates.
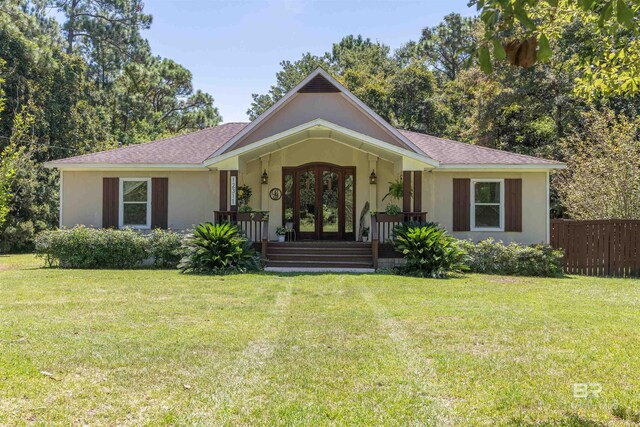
(319, 201)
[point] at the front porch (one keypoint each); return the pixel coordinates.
(321, 182)
(321, 255)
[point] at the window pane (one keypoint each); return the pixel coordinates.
(329, 202)
(134, 191)
(348, 204)
(487, 192)
(307, 188)
(288, 198)
(488, 216)
(134, 214)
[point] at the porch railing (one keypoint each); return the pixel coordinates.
(382, 226)
(255, 225)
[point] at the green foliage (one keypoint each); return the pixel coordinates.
(245, 209)
(491, 257)
(244, 195)
(166, 248)
(75, 89)
(429, 250)
(603, 176)
(612, 67)
(396, 190)
(218, 249)
(33, 203)
(392, 209)
(92, 248)
(82, 247)
(444, 46)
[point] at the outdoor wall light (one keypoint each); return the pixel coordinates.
(373, 179)
(265, 177)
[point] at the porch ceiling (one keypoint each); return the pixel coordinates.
(321, 129)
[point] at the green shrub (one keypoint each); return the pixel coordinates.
(429, 250)
(218, 249)
(18, 236)
(166, 248)
(82, 247)
(491, 257)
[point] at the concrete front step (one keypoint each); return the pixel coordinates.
(319, 264)
(319, 270)
(319, 255)
(326, 257)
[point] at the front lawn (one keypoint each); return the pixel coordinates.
(160, 348)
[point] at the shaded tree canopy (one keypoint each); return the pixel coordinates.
(87, 83)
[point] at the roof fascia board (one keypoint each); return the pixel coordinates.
(489, 167)
(124, 166)
(332, 126)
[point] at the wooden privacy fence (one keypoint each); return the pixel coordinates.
(598, 247)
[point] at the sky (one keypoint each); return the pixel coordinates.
(234, 47)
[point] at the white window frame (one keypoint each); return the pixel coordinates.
(146, 226)
(473, 205)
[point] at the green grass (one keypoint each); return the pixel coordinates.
(153, 347)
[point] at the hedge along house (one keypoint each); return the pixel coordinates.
(313, 161)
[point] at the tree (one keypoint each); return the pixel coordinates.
(105, 32)
(603, 177)
(6, 169)
(524, 31)
(156, 99)
(444, 46)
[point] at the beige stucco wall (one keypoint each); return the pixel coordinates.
(333, 107)
(438, 201)
(193, 196)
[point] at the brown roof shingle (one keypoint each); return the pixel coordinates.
(196, 147)
(190, 148)
(453, 152)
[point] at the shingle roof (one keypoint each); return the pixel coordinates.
(194, 148)
(453, 152)
(190, 148)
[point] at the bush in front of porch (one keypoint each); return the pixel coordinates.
(429, 250)
(218, 249)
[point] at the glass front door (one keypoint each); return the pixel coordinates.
(318, 200)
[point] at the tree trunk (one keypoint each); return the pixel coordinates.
(71, 25)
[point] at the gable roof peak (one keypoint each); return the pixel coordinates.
(324, 83)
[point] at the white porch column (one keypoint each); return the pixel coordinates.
(264, 193)
(373, 188)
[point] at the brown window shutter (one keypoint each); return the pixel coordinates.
(110, 200)
(159, 202)
(461, 204)
(512, 205)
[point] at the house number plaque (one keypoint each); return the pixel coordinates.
(234, 190)
(275, 194)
